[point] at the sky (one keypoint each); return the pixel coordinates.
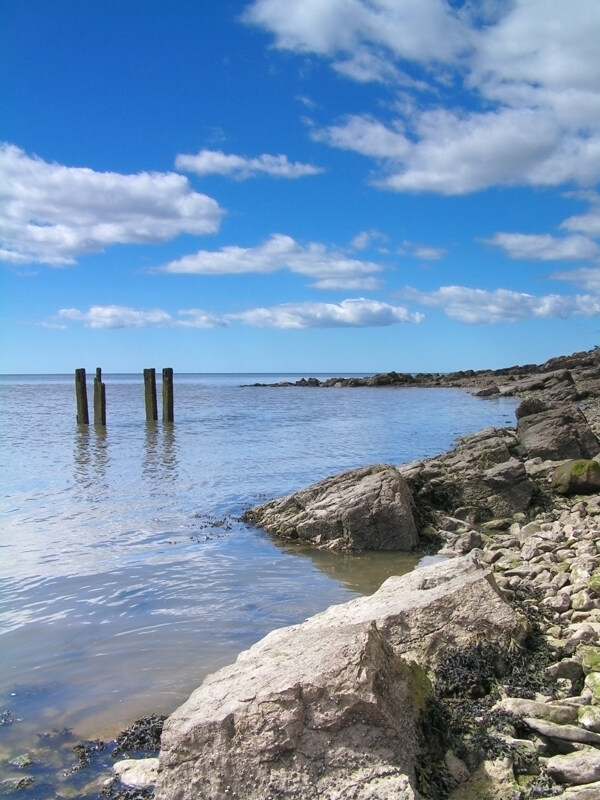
(298, 185)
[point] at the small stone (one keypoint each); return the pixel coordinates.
(591, 688)
(492, 780)
(22, 761)
(560, 603)
(581, 601)
(589, 718)
(558, 714)
(591, 791)
(567, 733)
(580, 767)
(590, 659)
(456, 767)
(139, 773)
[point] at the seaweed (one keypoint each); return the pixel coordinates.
(143, 737)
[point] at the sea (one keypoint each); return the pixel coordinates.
(126, 573)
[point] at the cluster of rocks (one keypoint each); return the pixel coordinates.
(562, 378)
(477, 677)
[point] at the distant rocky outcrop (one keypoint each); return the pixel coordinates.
(566, 378)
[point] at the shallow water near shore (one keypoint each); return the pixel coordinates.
(125, 573)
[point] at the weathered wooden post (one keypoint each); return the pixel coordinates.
(150, 395)
(81, 394)
(167, 394)
(99, 400)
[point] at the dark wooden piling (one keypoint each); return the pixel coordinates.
(99, 400)
(83, 417)
(167, 394)
(150, 395)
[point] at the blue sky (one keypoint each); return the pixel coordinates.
(298, 185)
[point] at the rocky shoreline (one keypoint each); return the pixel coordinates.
(478, 677)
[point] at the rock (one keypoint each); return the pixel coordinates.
(365, 509)
(446, 606)
(589, 792)
(589, 717)
(577, 477)
(492, 780)
(456, 767)
(580, 767)
(482, 472)
(558, 434)
(557, 713)
(139, 773)
(567, 733)
(292, 718)
(330, 708)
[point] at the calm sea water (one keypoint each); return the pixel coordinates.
(125, 573)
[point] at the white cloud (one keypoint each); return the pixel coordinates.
(198, 318)
(215, 162)
(328, 268)
(115, 316)
(422, 30)
(355, 313)
(352, 313)
(587, 278)
(52, 213)
(421, 251)
(367, 136)
(366, 239)
(478, 306)
(513, 94)
(545, 247)
(588, 223)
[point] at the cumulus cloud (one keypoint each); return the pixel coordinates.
(545, 247)
(588, 223)
(352, 313)
(366, 239)
(421, 251)
(427, 30)
(115, 316)
(215, 162)
(52, 213)
(587, 278)
(326, 267)
(502, 93)
(479, 306)
(355, 313)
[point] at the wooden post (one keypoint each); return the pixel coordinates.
(99, 400)
(150, 395)
(167, 394)
(81, 394)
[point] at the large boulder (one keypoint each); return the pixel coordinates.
(294, 718)
(557, 434)
(331, 708)
(483, 471)
(363, 509)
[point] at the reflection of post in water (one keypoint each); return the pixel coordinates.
(160, 456)
(90, 457)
